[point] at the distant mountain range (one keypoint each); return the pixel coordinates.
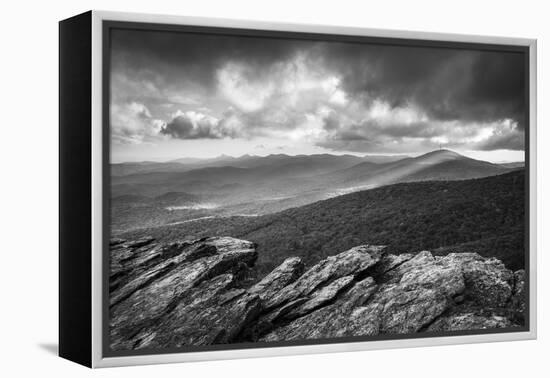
(245, 161)
(280, 181)
(171, 192)
(251, 161)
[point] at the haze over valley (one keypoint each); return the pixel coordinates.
(153, 194)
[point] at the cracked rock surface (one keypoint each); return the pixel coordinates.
(166, 295)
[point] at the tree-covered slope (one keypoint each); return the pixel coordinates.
(486, 215)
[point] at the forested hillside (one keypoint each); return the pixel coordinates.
(486, 215)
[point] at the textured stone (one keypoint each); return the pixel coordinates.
(389, 262)
(424, 291)
(156, 291)
(202, 319)
(353, 261)
(334, 320)
(140, 242)
(519, 296)
(322, 296)
(283, 275)
(116, 241)
(165, 295)
(488, 282)
(468, 321)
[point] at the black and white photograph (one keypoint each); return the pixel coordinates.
(274, 189)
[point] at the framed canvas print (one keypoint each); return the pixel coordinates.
(235, 189)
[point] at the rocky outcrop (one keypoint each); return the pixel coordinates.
(195, 293)
(155, 286)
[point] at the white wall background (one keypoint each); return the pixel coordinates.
(28, 207)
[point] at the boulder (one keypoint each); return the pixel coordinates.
(425, 289)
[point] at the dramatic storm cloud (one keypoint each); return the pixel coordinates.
(192, 125)
(298, 95)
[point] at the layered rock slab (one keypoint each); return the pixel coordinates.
(193, 293)
(416, 294)
(156, 291)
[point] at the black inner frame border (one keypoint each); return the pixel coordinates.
(108, 26)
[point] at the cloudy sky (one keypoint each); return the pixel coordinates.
(179, 95)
